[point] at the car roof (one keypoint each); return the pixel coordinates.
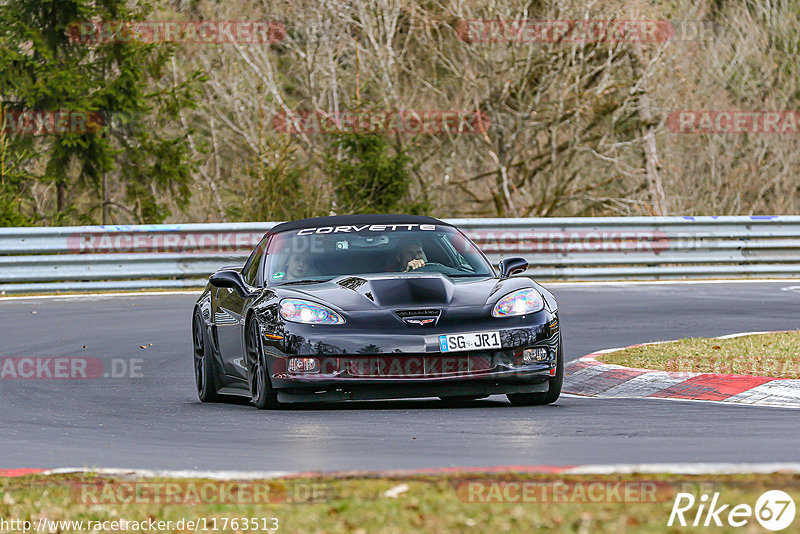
(343, 220)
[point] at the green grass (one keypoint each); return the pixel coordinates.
(430, 504)
(776, 355)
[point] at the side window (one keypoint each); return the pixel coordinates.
(454, 244)
(250, 271)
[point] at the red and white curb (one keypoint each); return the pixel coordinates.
(589, 377)
(588, 469)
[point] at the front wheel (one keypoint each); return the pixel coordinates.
(257, 370)
(552, 394)
(205, 368)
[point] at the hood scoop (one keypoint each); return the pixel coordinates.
(406, 291)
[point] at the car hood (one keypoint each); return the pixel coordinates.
(361, 293)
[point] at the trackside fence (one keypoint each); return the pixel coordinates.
(604, 248)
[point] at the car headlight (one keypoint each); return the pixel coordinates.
(302, 311)
(520, 302)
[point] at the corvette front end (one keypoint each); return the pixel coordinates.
(409, 352)
(375, 307)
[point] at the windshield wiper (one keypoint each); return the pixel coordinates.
(301, 282)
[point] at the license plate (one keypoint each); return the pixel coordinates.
(476, 341)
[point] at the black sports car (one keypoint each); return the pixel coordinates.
(375, 307)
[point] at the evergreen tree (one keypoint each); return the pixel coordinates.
(127, 162)
(368, 177)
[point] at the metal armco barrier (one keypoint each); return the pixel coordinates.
(602, 248)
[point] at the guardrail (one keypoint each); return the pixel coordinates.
(604, 248)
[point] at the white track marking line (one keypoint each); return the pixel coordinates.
(588, 469)
(743, 334)
(544, 283)
(672, 282)
(167, 473)
(90, 296)
(749, 406)
(685, 468)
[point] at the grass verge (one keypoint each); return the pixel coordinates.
(776, 355)
(436, 504)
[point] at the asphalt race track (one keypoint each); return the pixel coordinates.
(157, 422)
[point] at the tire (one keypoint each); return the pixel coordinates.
(261, 392)
(205, 368)
(539, 399)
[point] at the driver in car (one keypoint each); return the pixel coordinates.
(410, 255)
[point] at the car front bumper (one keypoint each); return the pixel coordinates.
(406, 365)
(406, 389)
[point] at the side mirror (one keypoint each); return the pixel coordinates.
(512, 266)
(230, 279)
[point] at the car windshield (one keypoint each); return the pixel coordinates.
(316, 254)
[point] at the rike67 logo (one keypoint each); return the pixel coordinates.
(774, 510)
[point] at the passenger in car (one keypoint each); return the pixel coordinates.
(298, 266)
